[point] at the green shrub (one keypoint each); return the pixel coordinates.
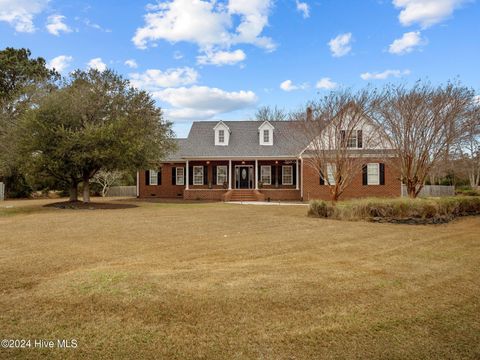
(424, 210)
(467, 192)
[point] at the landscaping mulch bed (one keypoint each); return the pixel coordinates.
(78, 205)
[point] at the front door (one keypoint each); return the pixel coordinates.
(244, 180)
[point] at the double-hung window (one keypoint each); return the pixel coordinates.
(266, 136)
(221, 136)
(153, 177)
(180, 176)
(266, 174)
(221, 175)
(198, 175)
(331, 169)
(373, 174)
(287, 175)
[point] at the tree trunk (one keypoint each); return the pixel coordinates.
(86, 189)
(411, 190)
(73, 192)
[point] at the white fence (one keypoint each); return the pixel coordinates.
(122, 191)
(433, 190)
(2, 191)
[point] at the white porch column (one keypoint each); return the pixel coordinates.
(229, 174)
(301, 179)
(256, 174)
(296, 177)
(188, 176)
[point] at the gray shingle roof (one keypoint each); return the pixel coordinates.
(244, 141)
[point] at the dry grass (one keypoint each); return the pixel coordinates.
(217, 281)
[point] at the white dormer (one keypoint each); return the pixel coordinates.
(222, 134)
(265, 133)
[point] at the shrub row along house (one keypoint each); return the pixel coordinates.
(251, 160)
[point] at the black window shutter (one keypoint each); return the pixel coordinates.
(359, 139)
(147, 177)
(159, 177)
(294, 174)
(342, 137)
(174, 176)
(382, 173)
(214, 175)
(273, 175)
(279, 174)
(365, 174)
(205, 175)
(190, 175)
(322, 179)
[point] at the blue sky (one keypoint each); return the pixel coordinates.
(204, 60)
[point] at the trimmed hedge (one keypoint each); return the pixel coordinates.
(399, 210)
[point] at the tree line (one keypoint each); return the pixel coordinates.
(62, 132)
(417, 130)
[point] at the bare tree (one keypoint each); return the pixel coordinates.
(337, 129)
(267, 113)
(421, 124)
(106, 179)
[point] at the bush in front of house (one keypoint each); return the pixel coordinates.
(399, 210)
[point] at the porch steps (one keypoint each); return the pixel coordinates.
(243, 195)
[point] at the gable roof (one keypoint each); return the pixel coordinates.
(244, 141)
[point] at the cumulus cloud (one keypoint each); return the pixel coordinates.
(385, 74)
(303, 8)
(55, 25)
(131, 63)
(20, 13)
(154, 79)
(326, 83)
(97, 64)
(60, 63)
(426, 12)
(202, 102)
(407, 43)
(341, 45)
(206, 23)
(221, 57)
(288, 85)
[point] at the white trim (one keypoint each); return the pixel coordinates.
(150, 180)
(283, 175)
(301, 178)
(296, 173)
(377, 165)
(255, 174)
(226, 174)
(183, 176)
(229, 174)
(196, 167)
(269, 176)
(188, 176)
(238, 179)
(331, 169)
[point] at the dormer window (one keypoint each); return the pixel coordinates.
(265, 133)
(222, 134)
(266, 136)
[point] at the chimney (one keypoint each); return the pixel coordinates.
(309, 114)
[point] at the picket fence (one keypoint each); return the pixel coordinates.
(2, 191)
(433, 190)
(122, 191)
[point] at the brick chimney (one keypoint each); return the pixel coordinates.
(309, 114)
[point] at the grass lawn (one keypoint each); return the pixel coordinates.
(218, 281)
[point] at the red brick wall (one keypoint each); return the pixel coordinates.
(204, 194)
(166, 189)
(281, 194)
(313, 190)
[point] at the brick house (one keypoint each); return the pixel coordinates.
(250, 160)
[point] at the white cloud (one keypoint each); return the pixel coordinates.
(60, 63)
(131, 63)
(96, 26)
(177, 55)
(55, 25)
(97, 64)
(326, 83)
(426, 12)
(206, 23)
(20, 13)
(406, 43)
(341, 45)
(202, 102)
(154, 80)
(288, 85)
(384, 75)
(221, 57)
(303, 8)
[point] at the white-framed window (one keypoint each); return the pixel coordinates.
(352, 140)
(331, 168)
(266, 136)
(373, 174)
(266, 174)
(153, 177)
(221, 136)
(180, 176)
(198, 175)
(287, 175)
(221, 175)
